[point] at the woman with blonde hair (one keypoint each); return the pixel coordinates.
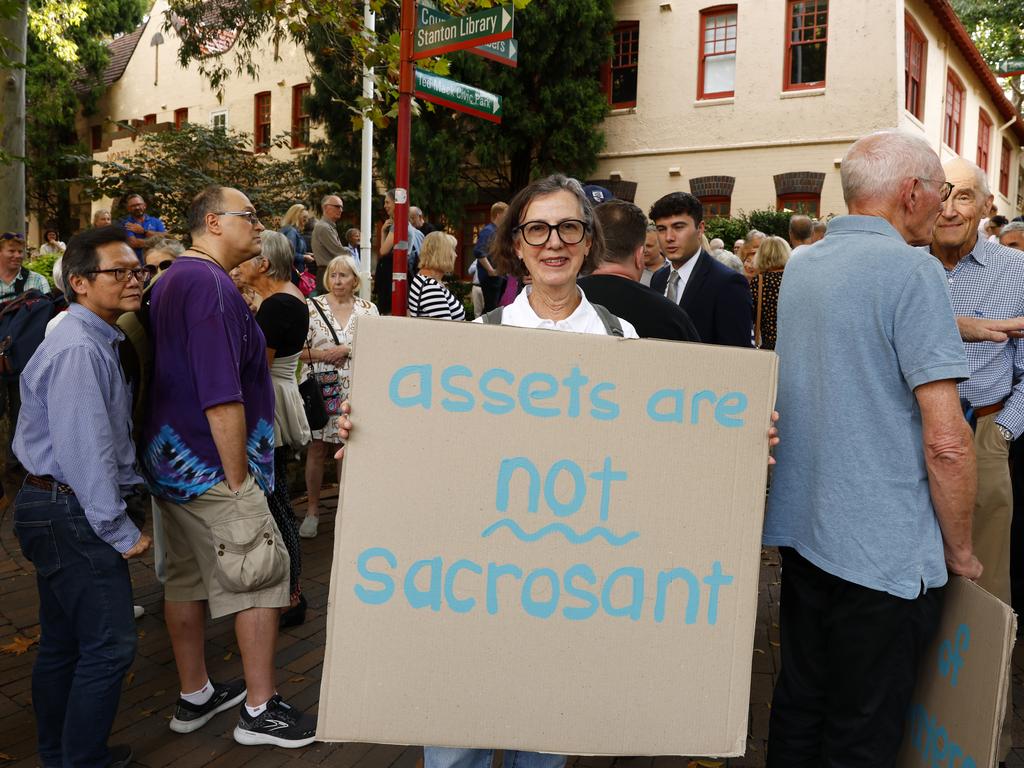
(332, 321)
(428, 295)
(769, 261)
(292, 226)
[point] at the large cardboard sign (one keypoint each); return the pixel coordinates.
(957, 711)
(547, 541)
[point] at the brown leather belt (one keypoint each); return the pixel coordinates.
(988, 410)
(47, 483)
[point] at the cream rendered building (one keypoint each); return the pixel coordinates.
(148, 88)
(752, 105)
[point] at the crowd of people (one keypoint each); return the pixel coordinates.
(898, 329)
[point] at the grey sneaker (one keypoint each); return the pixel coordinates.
(279, 724)
(190, 717)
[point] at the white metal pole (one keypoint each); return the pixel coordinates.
(366, 190)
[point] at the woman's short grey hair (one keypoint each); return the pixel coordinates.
(169, 245)
(1013, 226)
(277, 252)
(345, 260)
(876, 164)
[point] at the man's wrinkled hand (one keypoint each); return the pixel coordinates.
(140, 547)
(966, 565)
(975, 329)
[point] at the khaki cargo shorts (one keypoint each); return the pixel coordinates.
(206, 541)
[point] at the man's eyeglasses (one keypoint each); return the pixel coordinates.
(123, 274)
(250, 215)
(570, 231)
(944, 187)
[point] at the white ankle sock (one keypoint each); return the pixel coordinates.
(201, 696)
(257, 711)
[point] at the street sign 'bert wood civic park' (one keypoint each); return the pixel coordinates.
(459, 32)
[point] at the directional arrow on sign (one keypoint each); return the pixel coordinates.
(503, 51)
(459, 96)
(460, 32)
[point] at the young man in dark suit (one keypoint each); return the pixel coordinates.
(716, 298)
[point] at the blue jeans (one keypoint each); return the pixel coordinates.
(88, 634)
(451, 757)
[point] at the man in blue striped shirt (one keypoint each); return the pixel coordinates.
(986, 280)
(74, 438)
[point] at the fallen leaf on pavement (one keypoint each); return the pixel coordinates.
(19, 645)
(296, 679)
(228, 655)
(130, 678)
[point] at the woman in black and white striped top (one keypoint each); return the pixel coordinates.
(428, 296)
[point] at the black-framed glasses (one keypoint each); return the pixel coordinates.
(945, 187)
(123, 274)
(249, 215)
(570, 231)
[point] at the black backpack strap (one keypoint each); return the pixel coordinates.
(612, 326)
(493, 317)
(20, 281)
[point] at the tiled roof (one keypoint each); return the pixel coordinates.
(121, 50)
(951, 22)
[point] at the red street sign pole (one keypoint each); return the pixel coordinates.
(399, 284)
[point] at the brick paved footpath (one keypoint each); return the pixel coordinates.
(151, 687)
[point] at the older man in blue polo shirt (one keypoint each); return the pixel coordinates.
(872, 497)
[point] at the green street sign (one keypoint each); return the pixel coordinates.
(503, 51)
(1009, 67)
(459, 96)
(459, 32)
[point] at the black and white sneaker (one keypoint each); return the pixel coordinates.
(189, 717)
(279, 724)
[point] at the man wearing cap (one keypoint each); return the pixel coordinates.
(597, 195)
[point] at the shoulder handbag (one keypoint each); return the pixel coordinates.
(329, 381)
(313, 397)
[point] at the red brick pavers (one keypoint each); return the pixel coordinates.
(151, 688)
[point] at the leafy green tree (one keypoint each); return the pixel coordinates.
(169, 167)
(67, 54)
(997, 28)
(552, 105)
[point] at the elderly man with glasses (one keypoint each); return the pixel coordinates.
(70, 515)
(326, 243)
(209, 457)
(986, 280)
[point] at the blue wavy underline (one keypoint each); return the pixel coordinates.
(571, 536)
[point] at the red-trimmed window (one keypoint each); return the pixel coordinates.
(300, 115)
(261, 132)
(715, 205)
(1004, 169)
(96, 137)
(619, 74)
(806, 203)
(806, 43)
(180, 117)
(915, 60)
(149, 120)
(984, 137)
(716, 69)
(952, 127)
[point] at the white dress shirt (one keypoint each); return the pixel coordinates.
(584, 318)
(684, 274)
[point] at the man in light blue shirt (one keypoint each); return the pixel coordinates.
(986, 280)
(872, 497)
(74, 438)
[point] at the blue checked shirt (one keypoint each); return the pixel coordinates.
(989, 282)
(75, 422)
(33, 282)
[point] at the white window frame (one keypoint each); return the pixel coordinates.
(219, 113)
